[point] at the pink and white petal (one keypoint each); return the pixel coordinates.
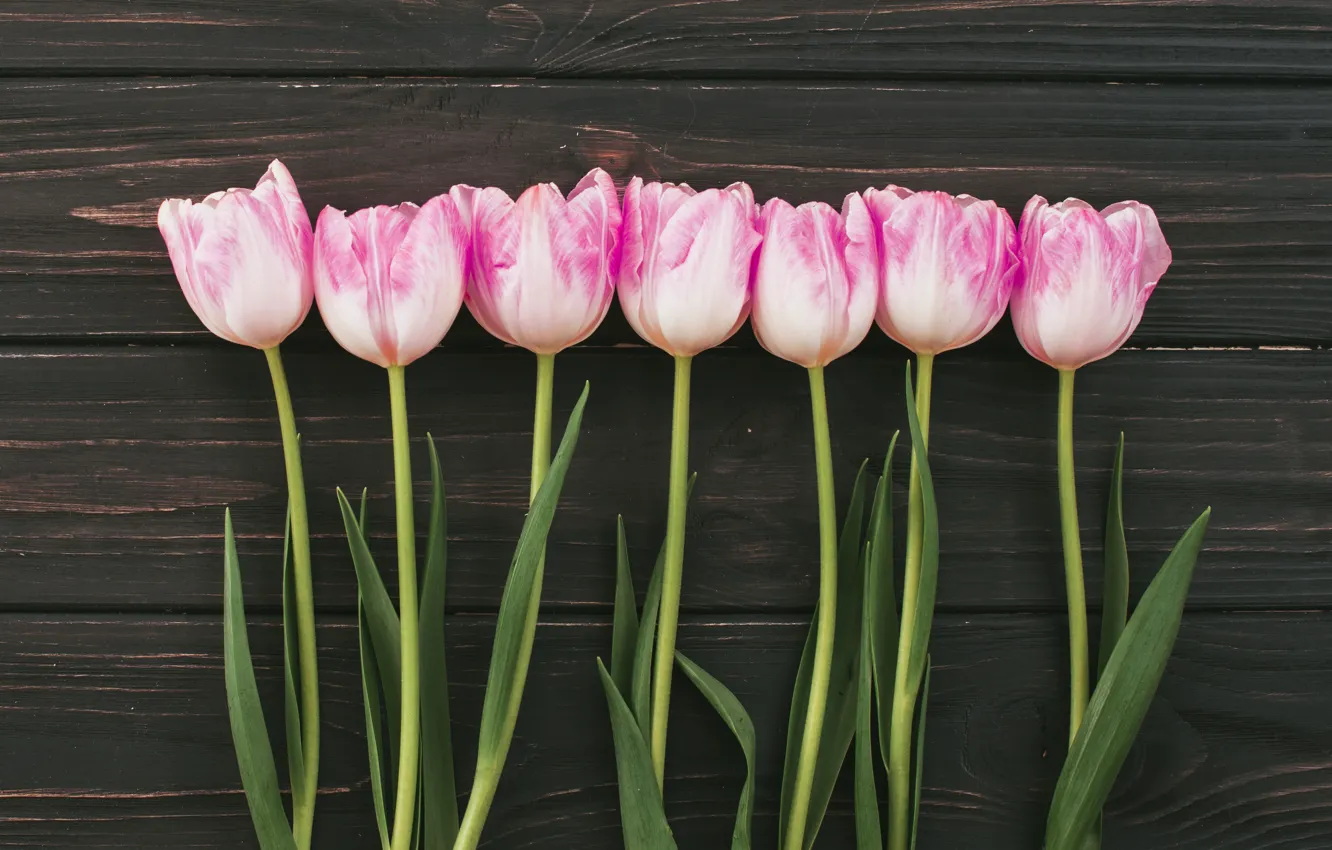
(341, 288)
(428, 278)
(248, 247)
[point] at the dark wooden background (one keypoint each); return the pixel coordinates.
(126, 428)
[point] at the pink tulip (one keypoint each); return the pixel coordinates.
(815, 285)
(390, 279)
(541, 265)
(684, 275)
(243, 258)
(1085, 278)
(948, 265)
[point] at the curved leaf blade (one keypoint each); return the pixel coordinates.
(1115, 584)
(624, 630)
(733, 713)
(381, 617)
(642, 815)
(439, 792)
(918, 784)
(254, 753)
(516, 621)
(927, 585)
(1122, 697)
(291, 670)
(885, 622)
(374, 722)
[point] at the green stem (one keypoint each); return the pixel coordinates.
(904, 695)
(1077, 595)
(304, 806)
(664, 662)
(488, 774)
(404, 822)
(826, 617)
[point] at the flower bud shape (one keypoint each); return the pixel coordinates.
(542, 266)
(947, 266)
(243, 258)
(390, 280)
(1085, 278)
(684, 275)
(815, 286)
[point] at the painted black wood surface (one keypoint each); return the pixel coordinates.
(126, 427)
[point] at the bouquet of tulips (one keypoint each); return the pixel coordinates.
(936, 271)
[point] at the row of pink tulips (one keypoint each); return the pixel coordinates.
(936, 270)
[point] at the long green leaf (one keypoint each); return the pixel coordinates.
(918, 784)
(381, 618)
(254, 754)
(374, 722)
(439, 790)
(1115, 586)
(929, 556)
(884, 623)
(642, 814)
(508, 663)
(624, 631)
(291, 670)
(839, 720)
(733, 713)
(869, 834)
(1122, 697)
(641, 698)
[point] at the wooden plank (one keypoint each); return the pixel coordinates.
(1239, 175)
(117, 462)
(115, 735)
(1231, 39)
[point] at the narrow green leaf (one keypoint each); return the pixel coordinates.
(291, 670)
(508, 662)
(869, 834)
(733, 713)
(1121, 698)
(374, 722)
(254, 754)
(929, 557)
(919, 783)
(624, 631)
(641, 698)
(884, 624)
(839, 720)
(381, 618)
(642, 815)
(1115, 586)
(439, 792)
(647, 635)
(365, 493)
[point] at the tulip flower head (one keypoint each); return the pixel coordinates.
(542, 265)
(684, 273)
(1085, 278)
(390, 279)
(947, 266)
(815, 284)
(242, 258)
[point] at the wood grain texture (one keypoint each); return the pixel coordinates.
(1131, 39)
(115, 736)
(1239, 175)
(117, 462)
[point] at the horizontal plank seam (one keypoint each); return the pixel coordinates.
(365, 76)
